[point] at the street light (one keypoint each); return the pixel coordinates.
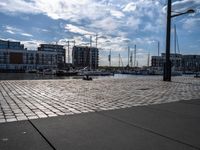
(167, 64)
(189, 11)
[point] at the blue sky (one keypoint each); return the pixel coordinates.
(118, 23)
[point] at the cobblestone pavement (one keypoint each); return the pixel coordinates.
(31, 99)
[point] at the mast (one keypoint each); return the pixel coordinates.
(68, 51)
(135, 56)
(128, 55)
(119, 59)
(175, 39)
(109, 58)
(90, 52)
(131, 59)
(177, 42)
(158, 48)
(122, 62)
(148, 59)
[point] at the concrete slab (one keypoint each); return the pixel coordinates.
(173, 123)
(21, 136)
(188, 108)
(193, 101)
(96, 131)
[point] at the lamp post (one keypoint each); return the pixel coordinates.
(167, 64)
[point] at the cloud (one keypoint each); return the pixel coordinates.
(14, 30)
(32, 44)
(191, 23)
(26, 34)
(183, 5)
(133, 22)
(107, 24)
(76, 29)
(130, 7)
(117, 14)
(11, 29)
(118, 23)
(18, 6)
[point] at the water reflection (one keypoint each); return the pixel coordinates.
(32, 76)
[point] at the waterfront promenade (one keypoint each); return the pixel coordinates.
(125, 113)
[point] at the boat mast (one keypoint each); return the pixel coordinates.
(119, 59)
(90, 52)
(109, 58)
(68, 51)
(135, 56)
(175, 39)
(131, 59)
(158, 48)
(148, 58)
(128, 56)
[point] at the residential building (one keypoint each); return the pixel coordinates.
(14, 57)
(180, 62)
(83, 56)
(191, 63)
(61, 56)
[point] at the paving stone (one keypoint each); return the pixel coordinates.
(47, 98)
(11, 119)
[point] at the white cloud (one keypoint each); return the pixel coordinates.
(26, 34)
(117, 14)
(32, 44)
(130, 7)
(14, 30)
(120, 21)
(191, 23)
(76, 29)
(133, 22)
(18, 6)
(107, 24)
(184, 4)
(11, 29)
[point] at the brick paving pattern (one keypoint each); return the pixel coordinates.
(31, 99)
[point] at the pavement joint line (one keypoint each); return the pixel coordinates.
(148, 130)
(50, 144)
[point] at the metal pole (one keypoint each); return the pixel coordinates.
(128, 55)
(175, 58)
(68, 51)
(167, 65)
(158, 48)
(131, 59)
(110, 59)
(119, 60)
(148, 59)
(96, 40)
(135, 57)
(90, 52)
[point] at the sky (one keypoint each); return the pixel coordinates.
(118, 24)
